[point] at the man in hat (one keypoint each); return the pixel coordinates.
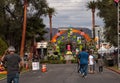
(13, 63)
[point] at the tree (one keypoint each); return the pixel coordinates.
(3, 46)
(92, 5)
(50, 12)
(11, 19)
(24, 29)
(35, 28)
(108, 11)
(1, 13)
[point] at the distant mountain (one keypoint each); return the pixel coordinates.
(55, 31)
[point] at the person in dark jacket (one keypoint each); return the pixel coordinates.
(13, 63)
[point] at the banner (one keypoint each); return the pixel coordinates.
(116, 1)
(35, 65)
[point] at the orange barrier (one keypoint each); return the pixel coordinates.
(27, 66)
(44, 68)
(3, 72)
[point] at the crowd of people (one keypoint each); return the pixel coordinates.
(87, 62)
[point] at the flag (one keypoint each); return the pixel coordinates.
(116, 1)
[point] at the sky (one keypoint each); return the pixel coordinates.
(71, 13)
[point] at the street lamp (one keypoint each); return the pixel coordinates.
(118, 31)
(98, 38)
(98, 29)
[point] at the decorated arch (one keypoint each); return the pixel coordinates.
(86, 36)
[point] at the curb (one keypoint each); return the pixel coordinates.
(117, 71)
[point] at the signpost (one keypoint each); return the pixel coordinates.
(42, 45)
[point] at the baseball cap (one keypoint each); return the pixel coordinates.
(11, 48)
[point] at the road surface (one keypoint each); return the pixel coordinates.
(67, 73)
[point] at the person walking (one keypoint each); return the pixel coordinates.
(13, 64)
(91, 62)
(100, 63)
(83, 57)
(78, 63)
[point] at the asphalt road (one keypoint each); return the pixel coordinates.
(67, 73)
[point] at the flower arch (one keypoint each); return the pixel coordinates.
(86, 36)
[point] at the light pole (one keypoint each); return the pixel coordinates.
(98, 38)
(118, 31)
(98, 29)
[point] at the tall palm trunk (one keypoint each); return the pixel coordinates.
(93, 22)
(50, 13)
(50, 20)
(24, 29)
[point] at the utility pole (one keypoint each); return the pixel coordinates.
(24, 29)
(118, 31)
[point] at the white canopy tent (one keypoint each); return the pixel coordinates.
(111, 50)
(102, 50)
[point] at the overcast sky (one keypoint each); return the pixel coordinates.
(71, 13)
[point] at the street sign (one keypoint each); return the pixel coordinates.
(42, 44)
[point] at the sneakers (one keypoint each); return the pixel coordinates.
(82, 74)
(85, 76)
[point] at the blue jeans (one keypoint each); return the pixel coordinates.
(84, 69)
(13, 78)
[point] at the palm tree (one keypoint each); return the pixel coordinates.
(24, 29)
(51, 11)
(92, 5)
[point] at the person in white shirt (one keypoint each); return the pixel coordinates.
(91, 63)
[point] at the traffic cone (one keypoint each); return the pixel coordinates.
(43, 69)
(26, 66)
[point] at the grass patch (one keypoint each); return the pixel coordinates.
(56, 61)
(2, 76)
(114, 68)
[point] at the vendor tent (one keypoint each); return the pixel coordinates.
(102, 50)
(111, 49)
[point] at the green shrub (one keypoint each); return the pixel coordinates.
(53, 61)
(3, 47)
(73, 61)
(57, 61)
(53, 57)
